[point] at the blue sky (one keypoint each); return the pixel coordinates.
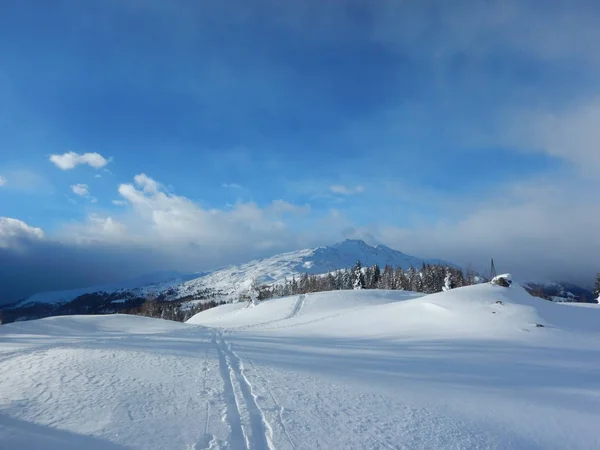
(428, 126)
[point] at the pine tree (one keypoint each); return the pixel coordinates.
(387, 279)
(339, 280)
(428, 279)
(347, 280)
(411, 278)
(376, 277)
(418, 283)
(330, 285)
(402, 281)
(597, 288)
(459, 278)
(358, 276)
(368, 277)
(470, 276)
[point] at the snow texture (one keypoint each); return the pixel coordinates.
(482, 367)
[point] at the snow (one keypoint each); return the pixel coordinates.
(505, 276)
(233, 280)
(465, 369)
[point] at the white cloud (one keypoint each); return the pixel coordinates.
(70, 160)
(346, 190)
(81, 190)
(107, 225)
(3, 181)
(146, 183)
(158, 218)
(283, 207)
(572, 134)
(536, 229)
(13, 230)
(97, 175)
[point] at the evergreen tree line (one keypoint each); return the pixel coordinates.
(171, 310)
(429, 279)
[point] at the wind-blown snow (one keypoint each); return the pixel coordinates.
(471, 368)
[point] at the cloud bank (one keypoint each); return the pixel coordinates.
(156, 230)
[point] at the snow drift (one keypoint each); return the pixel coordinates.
(477, 367)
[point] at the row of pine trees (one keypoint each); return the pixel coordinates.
(429, 279)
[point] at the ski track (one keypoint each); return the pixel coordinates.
(296, 309)
(297, 306)
(249, 427)
(209, 440)
(233, 418)
(280, 408)
(154, 386)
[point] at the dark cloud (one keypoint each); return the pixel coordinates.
(41, 265)
(32, 266)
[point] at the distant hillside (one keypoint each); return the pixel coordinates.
(222, 285)
(227, 282)
(560, 291)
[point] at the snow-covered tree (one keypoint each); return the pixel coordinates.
(411, 279)
(597, 288)
(387, 278)
(428, 273)
(251, 293)
(448, 281)
(358, 276)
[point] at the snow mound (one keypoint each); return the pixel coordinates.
(482, 367)
(484, 311)
(92, 325)
(296, 310)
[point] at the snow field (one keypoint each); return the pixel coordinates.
(464, 369)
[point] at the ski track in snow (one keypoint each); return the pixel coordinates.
(247, 421)
(296, 309)
(345, 370)
(280, 409)
(297, 306)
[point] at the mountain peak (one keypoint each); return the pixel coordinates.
(352, 243)
(227, 281)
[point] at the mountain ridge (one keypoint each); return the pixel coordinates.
(228, 281)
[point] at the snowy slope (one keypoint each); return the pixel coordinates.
(347, 370)
(229, 281)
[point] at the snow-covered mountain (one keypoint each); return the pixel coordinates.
(226, 283)
(559, 291)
